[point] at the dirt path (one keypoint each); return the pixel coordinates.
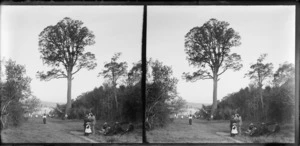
(79, 134)
(34, 131)
(180, 132)
(227, 135)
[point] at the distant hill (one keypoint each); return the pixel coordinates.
(48, 104)
(45, 107)
(191, 108)
(195, 105)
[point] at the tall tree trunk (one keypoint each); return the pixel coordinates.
(68, 107)
(116, 115)
(261, 101)
(116, 98)
(215, 84)
(3, 121)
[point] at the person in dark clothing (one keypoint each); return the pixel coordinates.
(232, 120)
(250, 129)
(104, 128)
(117, 128)
(93, 122)
(190, 119)
(44, 118)
(129, 129)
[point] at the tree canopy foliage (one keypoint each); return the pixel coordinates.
(62, 47)
(31, 104)
(284, 72)
(161, 95)
(208, 49)
(14, 88)
(260, 71)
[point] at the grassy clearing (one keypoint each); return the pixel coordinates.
(181, 132)
(203, 131)
(59, 131)
(34, 131)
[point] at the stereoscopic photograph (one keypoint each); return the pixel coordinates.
(71, 74)
(214, 74)
(220, 74)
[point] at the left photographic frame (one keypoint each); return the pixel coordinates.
(71, 74)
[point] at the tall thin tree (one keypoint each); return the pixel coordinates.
(259, 72)
(113, 71)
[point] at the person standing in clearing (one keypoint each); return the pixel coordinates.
(190, 119)
(44, 118)
(232, 120)
(87, 130)
(93, 119)
(239, 124)
(234, 130)
(85, 120)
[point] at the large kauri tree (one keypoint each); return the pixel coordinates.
(63, 49)
(113, 71)
(208, 49)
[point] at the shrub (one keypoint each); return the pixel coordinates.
(15, 117)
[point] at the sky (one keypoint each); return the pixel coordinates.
(263, 29)
(116, 29)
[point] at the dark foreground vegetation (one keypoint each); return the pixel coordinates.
(117, 100)
(162, 99)
(15, 93)
(278, 99)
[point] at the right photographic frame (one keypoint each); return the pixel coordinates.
(221, 74)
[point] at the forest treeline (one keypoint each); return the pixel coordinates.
(278, 97)
(117, 99)
(161, 98)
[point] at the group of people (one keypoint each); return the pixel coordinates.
(262, 129)
(116, 128)
(89, 124)
(235, 125)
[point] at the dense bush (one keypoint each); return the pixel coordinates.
(161, 95)
(101, 100)
(13, 89)
(16, 112)
(59, 111)
(278, 98)
(132, 104)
